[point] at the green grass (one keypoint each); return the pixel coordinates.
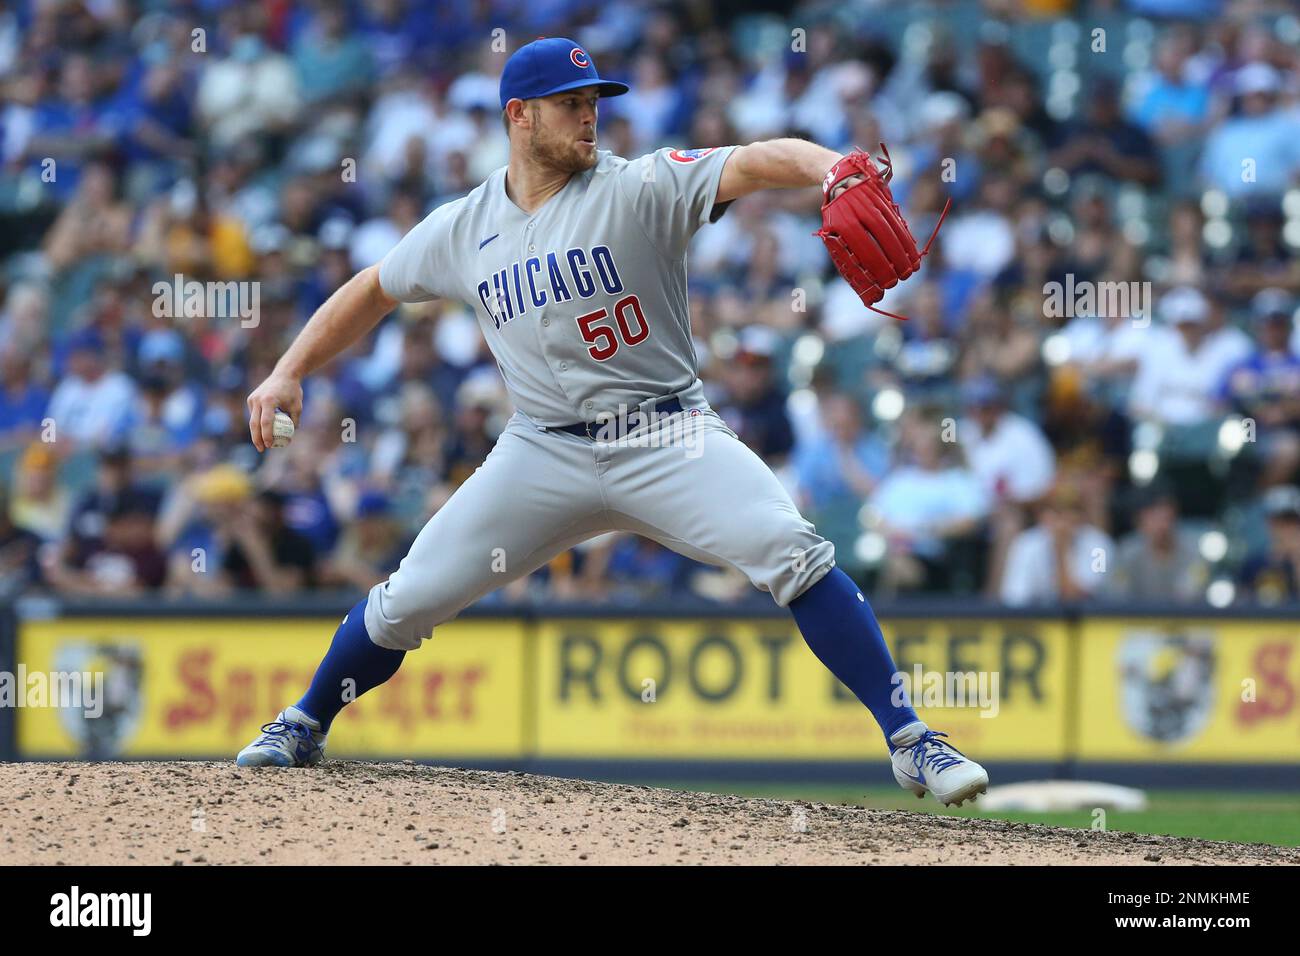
(1239, 816)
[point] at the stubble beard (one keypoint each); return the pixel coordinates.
(565, 156)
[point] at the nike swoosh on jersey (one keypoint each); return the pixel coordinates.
(488, 239)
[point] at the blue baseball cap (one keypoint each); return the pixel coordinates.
(372, 503)
(552, 65)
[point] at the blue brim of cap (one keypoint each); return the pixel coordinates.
(607, 87)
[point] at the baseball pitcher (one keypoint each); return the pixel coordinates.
(574, 261)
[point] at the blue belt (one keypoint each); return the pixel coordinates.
(613, 429)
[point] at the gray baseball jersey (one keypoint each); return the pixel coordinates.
(584, 302)
(584, 306)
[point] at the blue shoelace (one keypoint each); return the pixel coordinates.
(938, 754)
(284, 728)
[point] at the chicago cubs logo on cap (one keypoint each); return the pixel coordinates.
(552, 65)
(689, 155)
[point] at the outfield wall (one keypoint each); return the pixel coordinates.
(1125, 694)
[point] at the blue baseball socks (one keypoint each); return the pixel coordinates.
(837, 622)
(833, 615)
(353, 665)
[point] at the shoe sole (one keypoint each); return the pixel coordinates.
(260, 760)
(968, 792)
(954, 799)
(910, 785)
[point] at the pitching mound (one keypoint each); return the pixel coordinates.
(344, 812)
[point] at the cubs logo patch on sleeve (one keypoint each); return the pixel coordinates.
(689, 155)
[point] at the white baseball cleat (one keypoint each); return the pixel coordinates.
(924, 762)
(291, 740)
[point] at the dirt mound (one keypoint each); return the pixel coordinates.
(345, 812)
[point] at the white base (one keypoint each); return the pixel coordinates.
(1041, 796)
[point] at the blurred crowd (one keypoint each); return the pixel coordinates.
(1003, 441)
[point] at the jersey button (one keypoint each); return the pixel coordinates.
(564, 366)
(532, 248)
(588, 403)
(546, 321)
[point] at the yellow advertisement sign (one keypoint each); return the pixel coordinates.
(752, 690)
(1190, 690)
(201, 688)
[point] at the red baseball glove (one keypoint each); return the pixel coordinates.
(864, 230)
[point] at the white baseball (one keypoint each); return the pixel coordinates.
(282, 429)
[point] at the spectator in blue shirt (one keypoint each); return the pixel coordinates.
(395, 32)
(1272, 576)
(1257, 151)
(1265, 388)
(69, 127)
(155, 116)
(843, 462)
(754, 407)
(639, 568)
(166, 417)
(330, 62)
(1171, 108)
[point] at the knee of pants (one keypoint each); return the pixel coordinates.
(797, 559)
(400, 620)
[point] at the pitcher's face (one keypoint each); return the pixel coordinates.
(563, 133)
